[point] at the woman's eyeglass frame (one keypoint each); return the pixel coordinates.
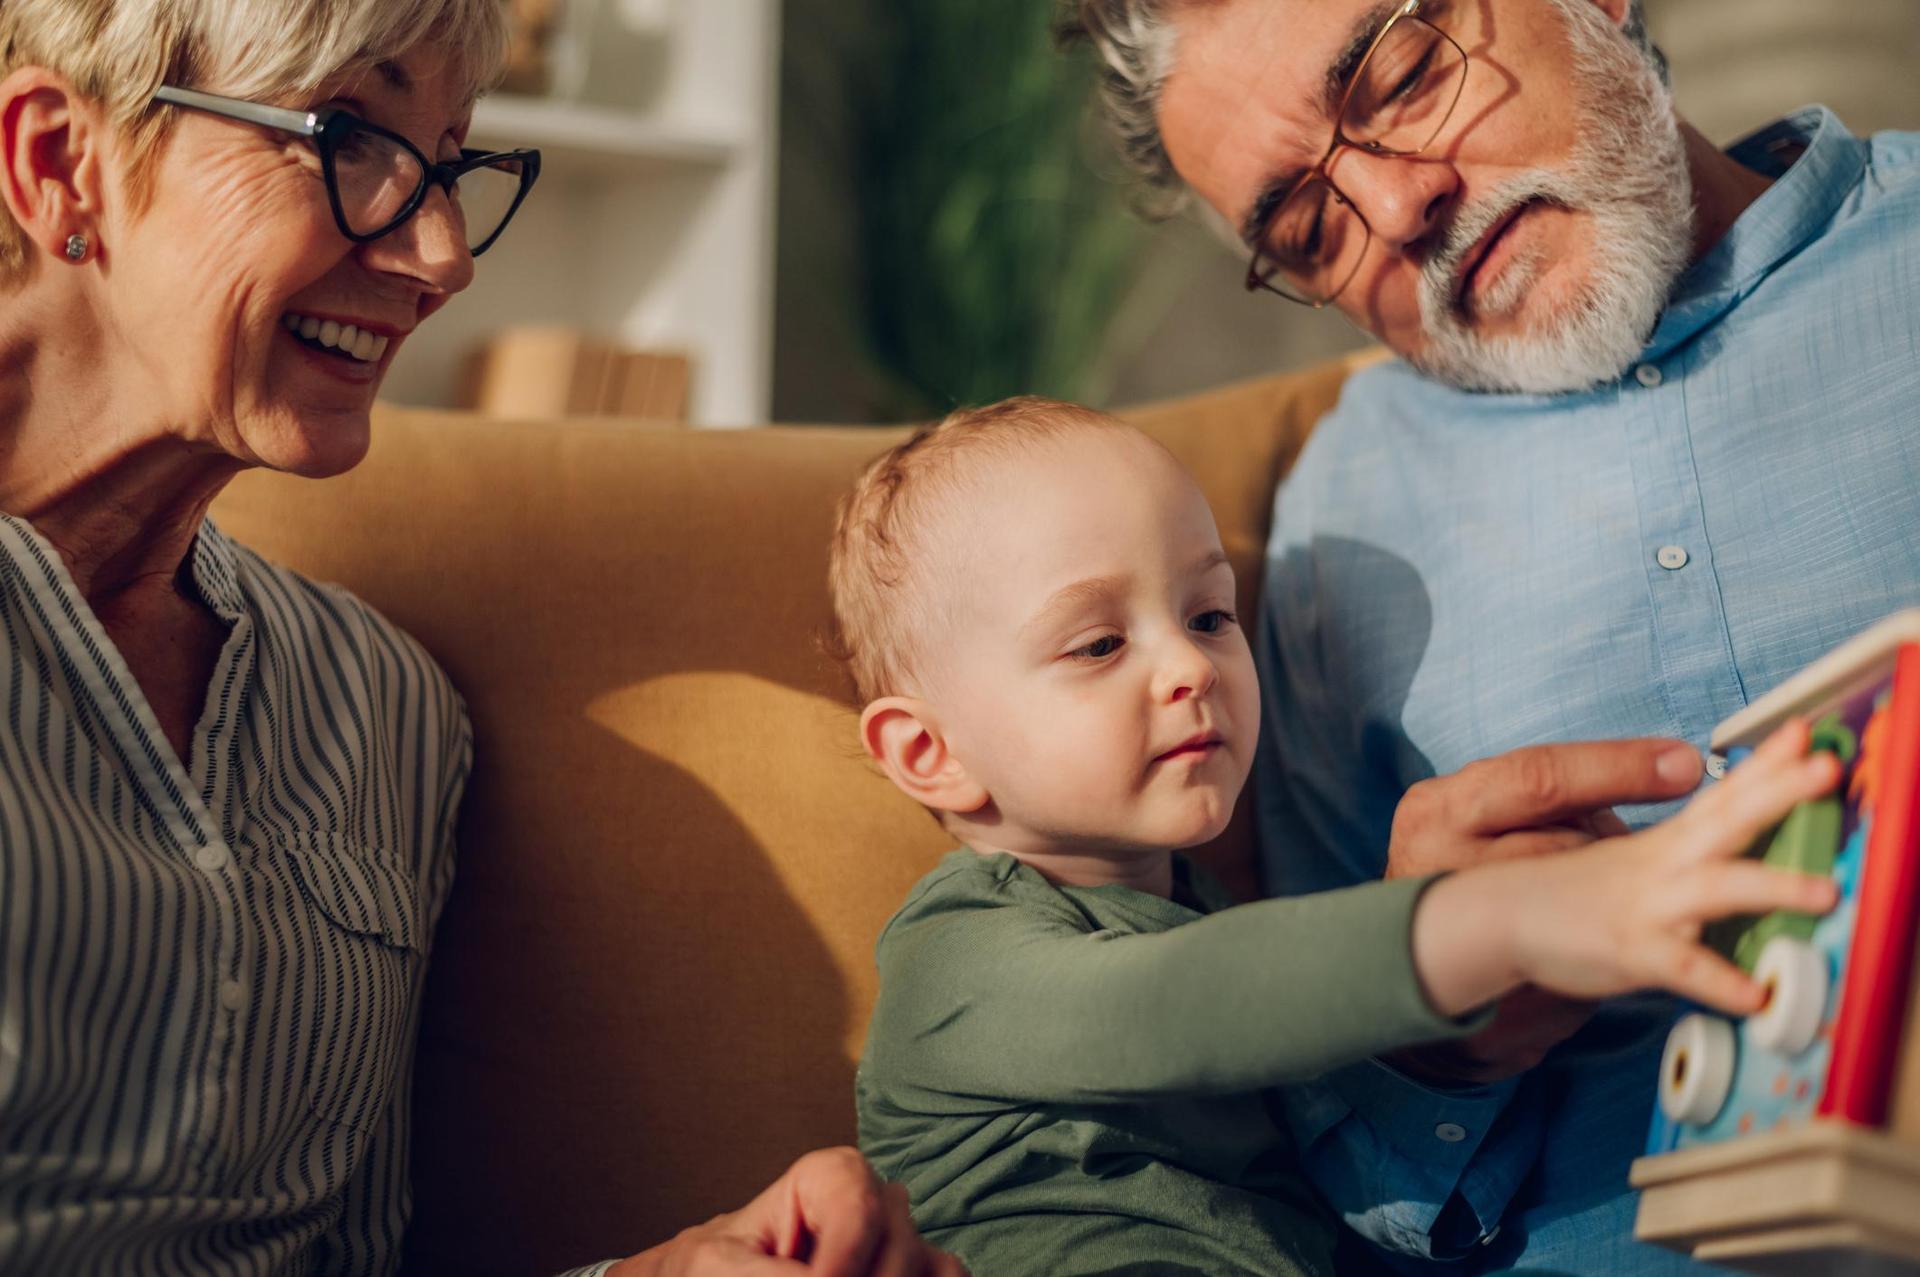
(327, 127)
(1256, 279)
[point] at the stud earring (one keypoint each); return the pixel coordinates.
(76, 248)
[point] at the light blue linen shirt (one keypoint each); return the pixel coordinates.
(1453, 575)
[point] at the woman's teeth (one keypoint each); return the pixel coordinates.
(345, 338)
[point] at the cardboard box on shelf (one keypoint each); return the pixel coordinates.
(563, 372)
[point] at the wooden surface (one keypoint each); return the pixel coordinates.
(1824, 1197)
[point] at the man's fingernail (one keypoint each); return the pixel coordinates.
(1678, 765)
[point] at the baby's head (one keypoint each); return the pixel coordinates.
(1035, 608)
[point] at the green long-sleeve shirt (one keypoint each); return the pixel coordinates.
(1071, 1080)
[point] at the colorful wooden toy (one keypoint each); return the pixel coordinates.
(1789, 1142)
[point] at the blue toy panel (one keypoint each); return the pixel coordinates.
(1769, 1089)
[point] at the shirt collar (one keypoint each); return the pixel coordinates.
(214, 566)
(1787, 216)
(216, 572)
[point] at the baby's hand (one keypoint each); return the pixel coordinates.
(1627, 913)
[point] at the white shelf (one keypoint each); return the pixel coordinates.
(653, 222)
(595, 138)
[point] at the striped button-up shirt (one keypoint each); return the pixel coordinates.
(210, 970)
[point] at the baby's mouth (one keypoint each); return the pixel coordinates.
(331, 337)
(1197, 746)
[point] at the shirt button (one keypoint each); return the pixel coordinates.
(1648, 376)
(1716, 767)
(233, 995)
(211, 858)
(1450, 1132)
(1671, 557)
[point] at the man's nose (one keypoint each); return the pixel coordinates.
(1403, 198)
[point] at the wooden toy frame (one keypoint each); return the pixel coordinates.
(1834, 1184)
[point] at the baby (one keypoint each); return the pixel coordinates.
(1074, 1031)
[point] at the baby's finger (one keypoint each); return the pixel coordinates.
(1738, 887)
(1786, 742)
(1754, 799)
(1697, 972)
(1775, 758)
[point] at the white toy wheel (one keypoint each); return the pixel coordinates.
(1696, 1071)
(1794, 973)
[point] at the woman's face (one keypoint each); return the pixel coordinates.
(238, 243)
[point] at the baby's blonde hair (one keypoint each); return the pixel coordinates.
(117, 52)
(882, 608)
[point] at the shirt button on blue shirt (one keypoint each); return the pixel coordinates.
(1450, 1132)
(1647, 375)
(1671, 557)
(1716, 767)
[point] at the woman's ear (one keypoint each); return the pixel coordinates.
(50, 137)
(904, 737)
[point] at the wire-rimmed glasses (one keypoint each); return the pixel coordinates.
(376, 179)
(1400, 96)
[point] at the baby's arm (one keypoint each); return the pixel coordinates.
(992, 1000)
(1627, 913)
(1000, 1000)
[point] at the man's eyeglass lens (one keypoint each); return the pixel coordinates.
(1399, 100)
(376, 177)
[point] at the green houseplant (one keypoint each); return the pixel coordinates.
(991, 251)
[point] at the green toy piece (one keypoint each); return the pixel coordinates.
(1807, 841)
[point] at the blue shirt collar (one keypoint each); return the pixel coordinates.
(1804, 197)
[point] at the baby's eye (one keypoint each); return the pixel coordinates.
(1213, 621)
(1098, 650)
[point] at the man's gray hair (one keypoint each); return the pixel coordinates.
(1135, 40)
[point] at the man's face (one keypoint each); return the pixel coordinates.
(1091, 674)
(1531, 246)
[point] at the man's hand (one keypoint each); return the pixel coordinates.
(1544, 798)
(828, 1214)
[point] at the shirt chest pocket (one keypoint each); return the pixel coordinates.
(359, 952)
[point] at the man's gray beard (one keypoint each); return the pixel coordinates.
(1628, 173)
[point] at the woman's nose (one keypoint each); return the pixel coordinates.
(1402, 197)
(431, 246)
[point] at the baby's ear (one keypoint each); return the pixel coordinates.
(902, 735)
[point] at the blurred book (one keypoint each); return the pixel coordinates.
(563, 372)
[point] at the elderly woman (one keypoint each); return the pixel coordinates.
(227, 794)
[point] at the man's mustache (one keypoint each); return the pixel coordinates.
(1463, 228)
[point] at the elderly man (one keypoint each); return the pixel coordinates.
(1652, 443)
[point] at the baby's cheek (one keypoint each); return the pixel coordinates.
(1099, 774)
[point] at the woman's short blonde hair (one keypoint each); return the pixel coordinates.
(118, 52)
